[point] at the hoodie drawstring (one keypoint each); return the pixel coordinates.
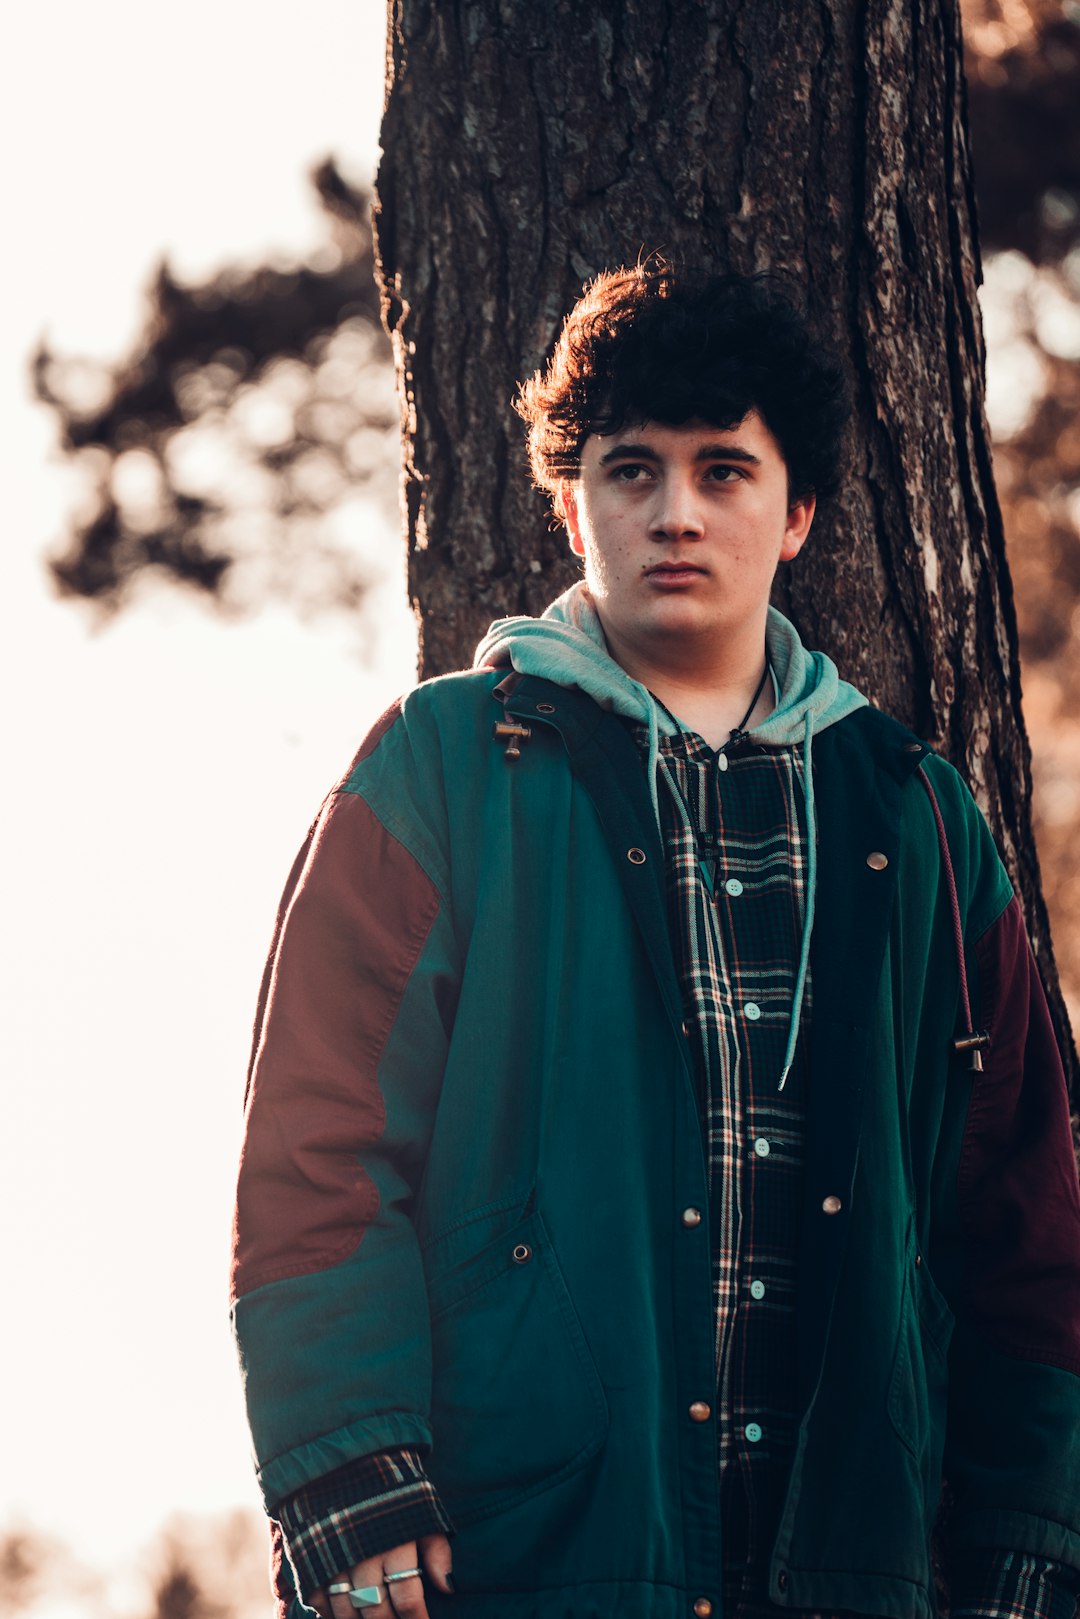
(808, 910)
(803, 970)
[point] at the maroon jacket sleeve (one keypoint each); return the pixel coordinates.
(1011, 1270)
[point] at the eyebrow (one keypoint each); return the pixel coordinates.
(707, 452)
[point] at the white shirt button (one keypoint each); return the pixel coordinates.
(757, 1290)
(752, 1010)
(721, 761)
(761, 1147)
(734, 887)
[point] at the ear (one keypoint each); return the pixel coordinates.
(799, 518)
(566, 506)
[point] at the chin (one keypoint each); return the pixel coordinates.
(683, 619)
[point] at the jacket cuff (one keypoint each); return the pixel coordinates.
(366, 1507)
(1011, 1585)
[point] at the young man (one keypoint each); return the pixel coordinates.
(658, 1171)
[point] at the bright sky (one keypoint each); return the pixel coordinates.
(158, 776)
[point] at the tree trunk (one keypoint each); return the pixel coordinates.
(530, 143)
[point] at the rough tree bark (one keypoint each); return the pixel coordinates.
(530, 143)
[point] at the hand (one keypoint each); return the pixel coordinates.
(403, 1598)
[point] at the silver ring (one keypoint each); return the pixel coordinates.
(400, 1574)
(365, 1596)
(340, 1588)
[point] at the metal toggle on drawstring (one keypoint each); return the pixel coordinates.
(976, 1044)
(515, 735)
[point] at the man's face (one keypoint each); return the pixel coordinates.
(681, 529)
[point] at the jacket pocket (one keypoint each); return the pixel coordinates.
(517, 1404)
(918, 1388)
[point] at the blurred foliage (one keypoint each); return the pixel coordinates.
(239, 448)
(1023, 72)
(1022, 60)
(195, 1568)
(35, 1567)
(209, 1568)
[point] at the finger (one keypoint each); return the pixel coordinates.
(320, 1602)
(437, 1558)
(367, 1574)
(406, 1595)
(340, 1606)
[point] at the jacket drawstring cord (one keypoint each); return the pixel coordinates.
(974, 1040)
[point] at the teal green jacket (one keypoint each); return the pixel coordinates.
(472, 1129)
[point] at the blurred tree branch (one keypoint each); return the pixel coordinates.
(230, 449)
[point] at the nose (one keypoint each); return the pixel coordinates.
(676, 513)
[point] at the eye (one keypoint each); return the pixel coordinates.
(630, 472)
(725, 474)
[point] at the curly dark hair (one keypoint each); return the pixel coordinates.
(647, 343)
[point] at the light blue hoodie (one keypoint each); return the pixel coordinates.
(566, 645)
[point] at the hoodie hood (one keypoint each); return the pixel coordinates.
(566, 645)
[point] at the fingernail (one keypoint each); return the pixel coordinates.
(450, 1579)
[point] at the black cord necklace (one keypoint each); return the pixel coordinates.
(737, 734)
(739, 731)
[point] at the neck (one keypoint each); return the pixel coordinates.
(710, 696)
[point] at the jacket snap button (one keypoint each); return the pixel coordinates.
(545, 708)
(877, 861)
(832, 1204)
(521, 1253)
(702, 1608)
(918, 1260)
(691, 1218)
(636, 857)
(700, 1411)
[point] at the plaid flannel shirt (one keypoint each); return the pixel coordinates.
(735, 843)
(355, 1512)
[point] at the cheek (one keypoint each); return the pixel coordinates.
(607, 561)
(607, 567)
(599, 573)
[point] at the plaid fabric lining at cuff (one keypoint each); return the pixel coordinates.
(355, 1512)
(1014, 1586)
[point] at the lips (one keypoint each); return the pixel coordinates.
(674, 570)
